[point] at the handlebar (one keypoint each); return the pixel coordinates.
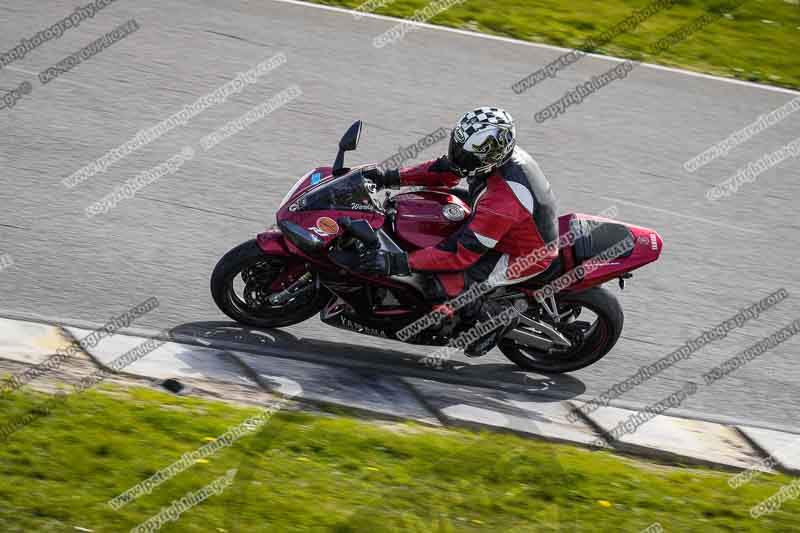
(361, 230)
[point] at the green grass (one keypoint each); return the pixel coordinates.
(743, 46)
(311, 473)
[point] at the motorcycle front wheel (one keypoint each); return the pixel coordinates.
(241, 287)
(591, 339)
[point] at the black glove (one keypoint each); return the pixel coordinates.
(441, 165)
(382, 178)
(383, 262)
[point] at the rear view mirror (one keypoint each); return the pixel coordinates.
(350, 139)
(348, 142)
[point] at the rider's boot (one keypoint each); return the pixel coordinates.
(491, 320)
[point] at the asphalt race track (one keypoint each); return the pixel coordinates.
(623, 146)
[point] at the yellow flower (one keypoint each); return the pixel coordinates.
(202, 461)
(604, 503)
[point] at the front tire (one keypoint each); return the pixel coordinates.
(597, 341)
(247, 264)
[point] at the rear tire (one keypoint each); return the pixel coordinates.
(594, 346)
(249, 255)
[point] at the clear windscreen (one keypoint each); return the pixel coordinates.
(349, 192)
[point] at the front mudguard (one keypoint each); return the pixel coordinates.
(272, 242)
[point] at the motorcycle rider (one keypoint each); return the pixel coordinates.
(513, 214)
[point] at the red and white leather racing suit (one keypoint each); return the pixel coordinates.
(514, 213)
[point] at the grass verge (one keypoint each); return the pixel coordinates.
(756, 42)
(316, 473)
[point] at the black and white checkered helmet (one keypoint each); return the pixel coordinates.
(482, 140)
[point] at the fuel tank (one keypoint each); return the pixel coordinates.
(426, 218)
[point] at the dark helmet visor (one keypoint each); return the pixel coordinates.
(462, 161)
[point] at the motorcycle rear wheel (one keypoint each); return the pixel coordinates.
(247, 265)
(597, 340)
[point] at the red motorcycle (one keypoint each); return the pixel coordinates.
(309, 264)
